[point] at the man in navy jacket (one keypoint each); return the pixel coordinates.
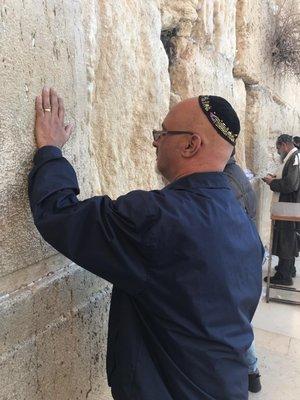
(185, 261)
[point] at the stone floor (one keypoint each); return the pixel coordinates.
(277, 335)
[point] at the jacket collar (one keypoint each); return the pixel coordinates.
(200, 180)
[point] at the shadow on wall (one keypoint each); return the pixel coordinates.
(168, 40)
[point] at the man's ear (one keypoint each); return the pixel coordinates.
(192, 146)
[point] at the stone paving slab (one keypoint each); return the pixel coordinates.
(279, 367)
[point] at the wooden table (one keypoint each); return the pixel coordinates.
(281, 212)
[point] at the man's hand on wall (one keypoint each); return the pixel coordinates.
(49, 122)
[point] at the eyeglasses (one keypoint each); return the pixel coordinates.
(158, 134)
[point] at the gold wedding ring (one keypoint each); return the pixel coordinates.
(47, 109)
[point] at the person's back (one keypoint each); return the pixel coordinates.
(193, 314)
(182, 301)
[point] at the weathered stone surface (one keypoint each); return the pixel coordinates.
(116, 87)
(37, 44)
(205, 53)
(53, 338)
(108, 63)
(131, 96)
(255, 30)
(175, 12)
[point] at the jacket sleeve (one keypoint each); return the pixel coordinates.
(289, 183)
(105, 237)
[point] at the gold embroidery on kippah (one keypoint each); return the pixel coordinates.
(217, 121)
(223, 128)
(205, 103)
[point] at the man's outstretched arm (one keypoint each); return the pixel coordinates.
(94, 233)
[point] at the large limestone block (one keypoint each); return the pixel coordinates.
(39, 44)
(109, 64)
(131, 95)
(207, 50)
(206, 53)
(266, 118)
(254, 26)
(53, 338)
(215, 28)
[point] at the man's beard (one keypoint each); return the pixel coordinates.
(282, 157)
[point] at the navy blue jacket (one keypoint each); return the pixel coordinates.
(185, 263)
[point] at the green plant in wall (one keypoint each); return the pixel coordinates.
(285, 42)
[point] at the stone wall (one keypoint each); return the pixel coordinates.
(110, 66)
(108, 62)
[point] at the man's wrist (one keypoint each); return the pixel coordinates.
(46, 153)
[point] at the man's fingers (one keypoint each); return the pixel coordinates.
(53, 102)
(39, 106)
(46, 100)
(61, 110)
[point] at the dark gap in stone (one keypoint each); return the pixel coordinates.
(167, 38)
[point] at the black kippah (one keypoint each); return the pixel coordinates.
(222, 116)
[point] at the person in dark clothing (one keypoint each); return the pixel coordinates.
(287, 184)
(296, 141)
(241, 187)
(246, 196)
(182, 302)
